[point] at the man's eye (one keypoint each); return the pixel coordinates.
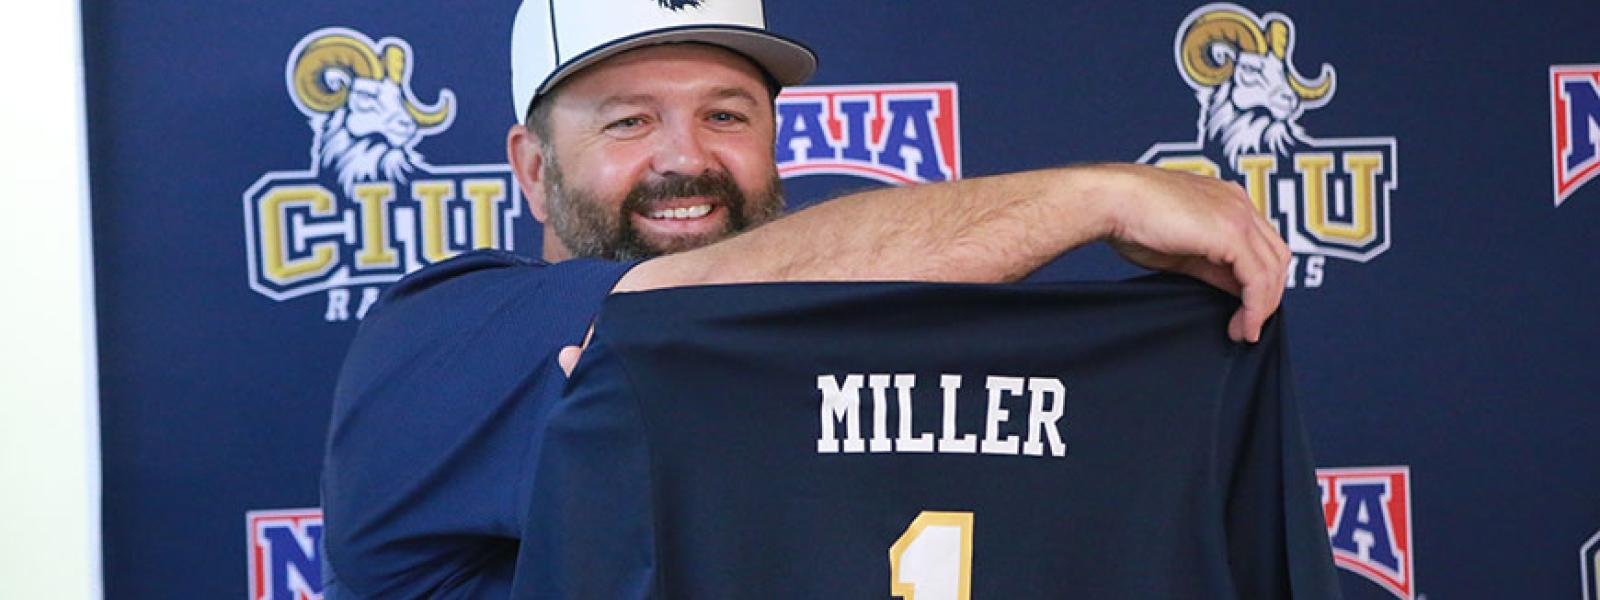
(723, 116)
(626, 123)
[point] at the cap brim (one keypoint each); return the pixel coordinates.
(788, 62)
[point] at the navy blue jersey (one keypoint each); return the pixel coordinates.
(869, 440)
(436, 418)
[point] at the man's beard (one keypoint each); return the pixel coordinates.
(589, 230)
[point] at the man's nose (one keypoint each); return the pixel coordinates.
(680, 150)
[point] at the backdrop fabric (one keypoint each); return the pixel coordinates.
(1428, 166)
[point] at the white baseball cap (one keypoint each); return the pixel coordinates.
(552, 39)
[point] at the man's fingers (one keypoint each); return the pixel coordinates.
(1216, 234)
(1257, 283)
(1262, 290)
(1276, 246)
(568, 359)
(1254, 269)
(1262, 275)
(1270, 233)
(1270, 253)
(1217, 275)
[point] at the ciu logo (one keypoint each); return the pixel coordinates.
(370, 208)
(1328, 197)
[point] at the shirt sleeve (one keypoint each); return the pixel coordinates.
(438, 408)
(595, 447)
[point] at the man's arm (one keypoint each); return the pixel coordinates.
(998, 229)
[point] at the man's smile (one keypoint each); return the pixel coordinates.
(691, 212)
(678, 216)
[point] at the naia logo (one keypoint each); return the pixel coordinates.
(285, 554)
(1574, 126)
(1328, 197)
(894, 133)
(1368, 514)
(370, 208)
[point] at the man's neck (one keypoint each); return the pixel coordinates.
(554, 250)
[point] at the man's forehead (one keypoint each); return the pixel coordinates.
(724, 74)
(715, 92)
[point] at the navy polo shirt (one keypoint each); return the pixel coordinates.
(436, 422)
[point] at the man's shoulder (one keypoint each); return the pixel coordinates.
(434, 408)
(486, 279)
(481, 301)
(463, 273)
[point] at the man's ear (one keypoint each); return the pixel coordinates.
(525, 153)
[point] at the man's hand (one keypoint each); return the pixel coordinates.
(1200, 227)
(568, 356)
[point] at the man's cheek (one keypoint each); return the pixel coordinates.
(611, 179)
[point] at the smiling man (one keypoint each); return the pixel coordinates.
(648, 154)
(659, 150)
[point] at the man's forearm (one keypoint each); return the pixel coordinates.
(990, 229)
(997, 229)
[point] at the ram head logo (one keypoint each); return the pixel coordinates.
(357, 96)
(1242, 72)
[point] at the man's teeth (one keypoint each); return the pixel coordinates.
(686, 212)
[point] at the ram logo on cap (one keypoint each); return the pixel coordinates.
(552, 39)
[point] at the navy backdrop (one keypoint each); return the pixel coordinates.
(1443, 306)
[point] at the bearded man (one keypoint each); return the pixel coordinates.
(647, 153)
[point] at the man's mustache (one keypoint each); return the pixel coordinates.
(716, 185)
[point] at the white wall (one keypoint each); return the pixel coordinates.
(49, 431)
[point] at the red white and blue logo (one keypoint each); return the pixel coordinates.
(1574, 126)
(894, 133)
(285, 554)
(1368, 514)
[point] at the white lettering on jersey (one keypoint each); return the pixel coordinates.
(907, 443)
(841, 404)
(992, 444)
(1045, 420)
(950, 443)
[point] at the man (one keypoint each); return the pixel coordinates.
(650, 136)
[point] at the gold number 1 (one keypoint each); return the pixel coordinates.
(932, 560)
